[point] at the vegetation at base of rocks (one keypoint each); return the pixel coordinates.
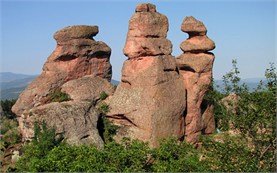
(252, 118)
(9, 135)
(104, 108)
(58, 96)
(246, 141)
(35, 152)
(7, 108)
(103, 95)
(106, 129)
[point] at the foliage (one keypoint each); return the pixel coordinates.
(104, 108)
(7, 108)
(9, 132)
(36, 151)
(174, 156)
(247, 143)
(106, 129)
(58, 96)
(103, 95)
(225, 153)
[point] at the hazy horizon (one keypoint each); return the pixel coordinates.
(242, 30)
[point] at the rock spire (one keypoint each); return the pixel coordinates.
(195, 66)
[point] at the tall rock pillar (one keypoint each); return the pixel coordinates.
(149, 101)
(195, 66)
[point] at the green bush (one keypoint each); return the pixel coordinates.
(58, 96)
(228, 154)
(174, 156)
(104, 108)
(103, 95)
(106, 129)
(9, 132)
(7, 108)
(35, 153)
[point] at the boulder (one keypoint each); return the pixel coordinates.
(75, 32)
(193, 26)
(208, 125)
(138, 47)
(75, 120)
(196, 62)
(197, 44)
(148, 24)
(146, 8)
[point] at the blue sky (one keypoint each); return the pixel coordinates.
(244, 30)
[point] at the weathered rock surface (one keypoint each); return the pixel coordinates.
(197, 44)
(195, 66)
(76, 56)
(139, 46)
(193, 26)
(208, 125)
(76, 120)
(70, 60)
(150, 100)
(75, 32)
(87, 88)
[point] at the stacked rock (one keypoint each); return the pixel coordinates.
(195, 66)
(149, 102)
(77, 55)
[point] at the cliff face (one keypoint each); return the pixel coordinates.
(158, 96)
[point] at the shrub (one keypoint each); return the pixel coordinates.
(104, 108)
(7, 108)
(58, 96)
(103, 95)
(173, 156)
(35, 153)
(9, 132)
(106, 129)
(225, 153)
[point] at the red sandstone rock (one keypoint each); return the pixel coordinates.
(75, 32)
(149, 102)
(197, 44)
(196, 62)
(208, 118)
(193, 26)
(75, 56)
(146, 8)
(138, 47)
(196, 68)
(148, 24)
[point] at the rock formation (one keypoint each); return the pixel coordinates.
(79, 67)
(195, 66)
(150, 100)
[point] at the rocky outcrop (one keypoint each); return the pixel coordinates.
(150, 100)
(195, 66)
(79, 70)
(76, 55)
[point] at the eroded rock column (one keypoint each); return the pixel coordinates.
(149, 102)
(195, 66)
(79, 67)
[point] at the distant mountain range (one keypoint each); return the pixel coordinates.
(13, 84)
